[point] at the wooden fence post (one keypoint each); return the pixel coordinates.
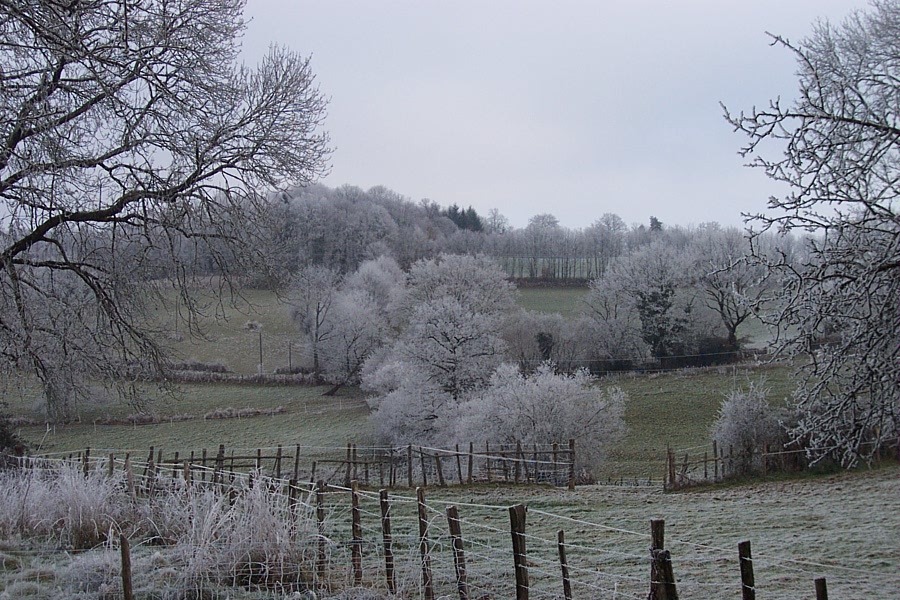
(387, 540)
(440, 469)
(459, 465)
(111, 466)
(748, 587)
(459, 557)
(671, 462)
(715, 461)
(278, 463)
(572, 464)
(85, 461)
(662, 579)
(129, 476)
(127, 587)
(487, 460)
(471, 461)
(564, 564)
(320, 528)
(821, 589)
(297, 463)
(518, 467)
(356, 532)
(520, 559)
(409, 473)
(422, 463)
(349, 458)
(427, 581)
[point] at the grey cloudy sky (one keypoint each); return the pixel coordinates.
(576, 108)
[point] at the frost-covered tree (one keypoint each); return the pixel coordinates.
(545, 407)
(476, 282)
(646, 290)
(450, 344)
(359, 329)
(132, 142)
(839, 155)
(729, 281)
(384, 281)
(311, 301)
(533, 338)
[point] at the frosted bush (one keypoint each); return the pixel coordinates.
(546, 407)
(746, 423)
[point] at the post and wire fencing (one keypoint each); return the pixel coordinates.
(702, 465)
(390, 467)
(267, 535)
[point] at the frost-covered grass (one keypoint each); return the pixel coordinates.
(188, 541)
(193, 544)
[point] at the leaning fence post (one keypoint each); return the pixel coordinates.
(427, 581)
(320, 528)
(821, 589)
(356, 532)
(662, 579)
(564, 564)
(517, 527)
(387, 540)
(127, 587)
(459, 557)
(748, 587)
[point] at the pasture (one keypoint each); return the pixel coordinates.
(840, 525)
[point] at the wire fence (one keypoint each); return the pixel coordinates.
(264, 535)
(389, 466)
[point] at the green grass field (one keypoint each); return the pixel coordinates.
(674, 409)
(566, 301)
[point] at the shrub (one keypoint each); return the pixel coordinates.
(546, 407)
(745, 424)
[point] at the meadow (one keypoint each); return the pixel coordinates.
(674, 409)
(836, 524)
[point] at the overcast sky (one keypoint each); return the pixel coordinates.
(575, 108)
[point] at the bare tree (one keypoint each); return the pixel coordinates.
(730, 282)
(311, 300)
(841, 160)
(130, 142)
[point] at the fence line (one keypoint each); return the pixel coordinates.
(389, 467)
(353, 532)
(687, 467)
